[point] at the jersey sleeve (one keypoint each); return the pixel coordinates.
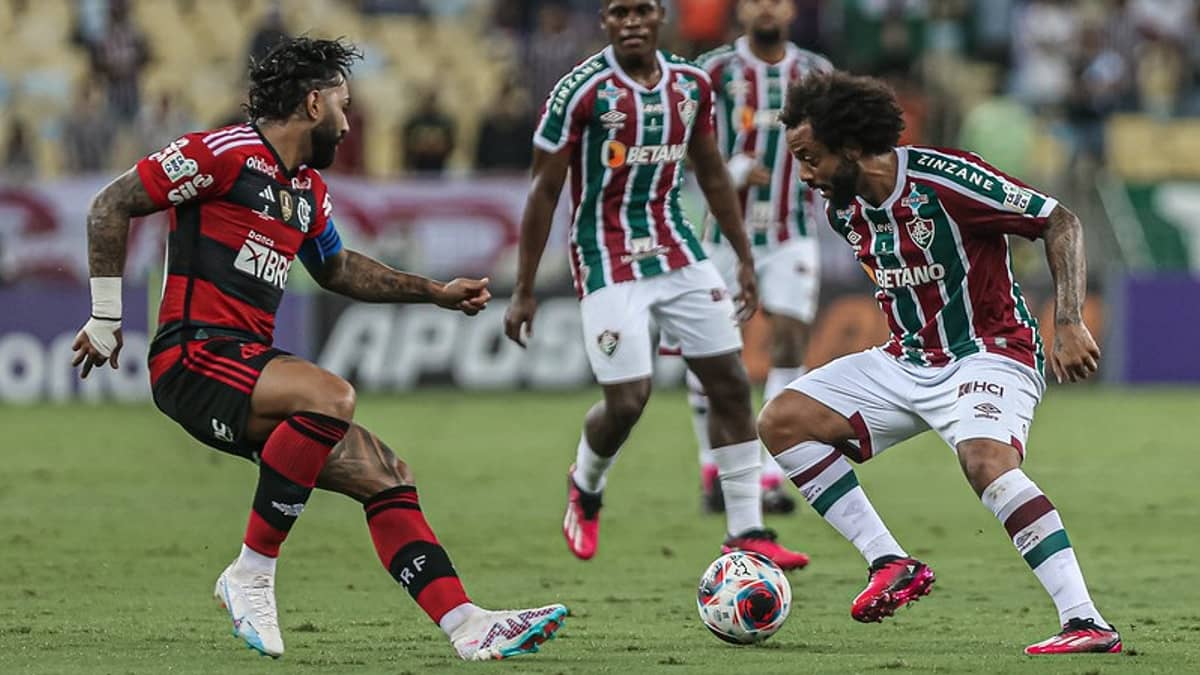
(997, 204)
(322, 241)
(564, 116)
(184, 171)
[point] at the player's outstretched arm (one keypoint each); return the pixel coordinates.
(1075, 355)
(99, 340)
(365, 279)
(714, 180)
(549, 174)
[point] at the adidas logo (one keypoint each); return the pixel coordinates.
(268, 194)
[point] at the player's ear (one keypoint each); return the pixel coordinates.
(312, 105)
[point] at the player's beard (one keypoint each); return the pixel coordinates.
(324, 139)
(768, 36)
(844, 183)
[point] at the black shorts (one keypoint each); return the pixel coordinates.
(205, 386)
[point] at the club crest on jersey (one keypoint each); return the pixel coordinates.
(303, 213)
(611, 94)
(608, 341)
(687, 111)
(613, 120)
(920, 230)
(287, 206)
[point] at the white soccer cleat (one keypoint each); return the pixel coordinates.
(250, 600)
(491, 635)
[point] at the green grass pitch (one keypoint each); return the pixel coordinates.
(114, 526)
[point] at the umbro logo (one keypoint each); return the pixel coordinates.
(987, 411)
(613, 119)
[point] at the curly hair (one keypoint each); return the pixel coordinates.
(845, 109)
(281, 80)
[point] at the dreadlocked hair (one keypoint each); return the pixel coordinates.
(281, 80)
(845, 109)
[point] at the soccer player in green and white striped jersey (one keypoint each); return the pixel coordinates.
(621, 124)
(750, 77)
(931, 227)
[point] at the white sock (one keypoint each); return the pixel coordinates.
(455, 618)
(740, 466)
(829, 485)
(698, 402)
(591, 470)
(250, 561)
(779, 378)
(1037, 531)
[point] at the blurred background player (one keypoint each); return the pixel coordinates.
(622, 122)
(930, 226)
(750, 78)
(245, 200)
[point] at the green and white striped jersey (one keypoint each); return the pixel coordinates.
(627, 145)
(748, 96)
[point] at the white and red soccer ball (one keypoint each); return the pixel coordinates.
(743, 597)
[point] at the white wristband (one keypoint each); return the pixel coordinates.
(106, 297)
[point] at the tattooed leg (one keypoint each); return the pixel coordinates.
(361, 466)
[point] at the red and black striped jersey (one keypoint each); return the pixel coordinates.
(238, 219)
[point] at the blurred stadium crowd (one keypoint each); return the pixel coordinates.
(1049, 89)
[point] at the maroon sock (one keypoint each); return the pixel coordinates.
(291, 460)
(411, 553)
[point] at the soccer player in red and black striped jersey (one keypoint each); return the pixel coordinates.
(245, 201)
(965, 359)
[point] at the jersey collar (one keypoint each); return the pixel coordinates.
(289, 174)
(628, 81)
(742, 45)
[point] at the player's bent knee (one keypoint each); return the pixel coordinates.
(624, 403)
(779, 426)
(342, 399)
(983, 460)
(625, 410)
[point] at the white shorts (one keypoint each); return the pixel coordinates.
(888, 401)
(789, 277)
(691, 306)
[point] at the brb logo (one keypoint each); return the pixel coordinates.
(259, 259)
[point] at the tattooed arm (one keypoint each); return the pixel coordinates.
(1075, 355)
(100, 341)
(108, 222)
(362, 278)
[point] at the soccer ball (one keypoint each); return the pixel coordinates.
(743, 597)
